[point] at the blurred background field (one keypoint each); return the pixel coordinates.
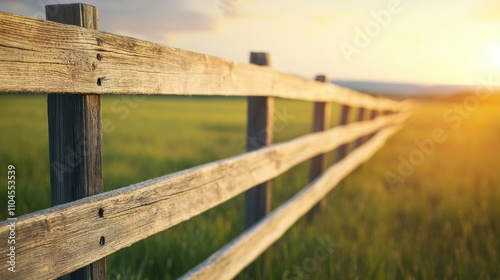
(440, 222)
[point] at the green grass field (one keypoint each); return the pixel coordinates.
(438, 221)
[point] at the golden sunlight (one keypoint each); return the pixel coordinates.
(491, 55)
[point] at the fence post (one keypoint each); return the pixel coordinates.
(75, 138)
(344, 119)
(373, 115)
(361, 117)
(321, 122)
(259, 134)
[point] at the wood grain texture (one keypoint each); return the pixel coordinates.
(61, 239)
(75, 137)
(228, 261)
(39, 56)
(321, 122)
(259, 134)
(77, 14)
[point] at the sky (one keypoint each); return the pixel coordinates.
(414, 41)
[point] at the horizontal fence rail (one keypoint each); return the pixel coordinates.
(46, 57)
(236, 255)
(127, 215)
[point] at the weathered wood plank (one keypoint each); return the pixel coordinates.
(228, 261)
(321, 122)
(58, 240)
(39, 56)
(75, 137)
(259, 134)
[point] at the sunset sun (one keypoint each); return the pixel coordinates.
(491, 55)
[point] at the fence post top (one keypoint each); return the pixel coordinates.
(78, 14)
(320, 78)
(260, 58)
(71, 4)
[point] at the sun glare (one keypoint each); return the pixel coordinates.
(492, 55)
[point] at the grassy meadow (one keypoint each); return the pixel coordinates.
(438, 220)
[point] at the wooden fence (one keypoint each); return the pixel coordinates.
(74, 64)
